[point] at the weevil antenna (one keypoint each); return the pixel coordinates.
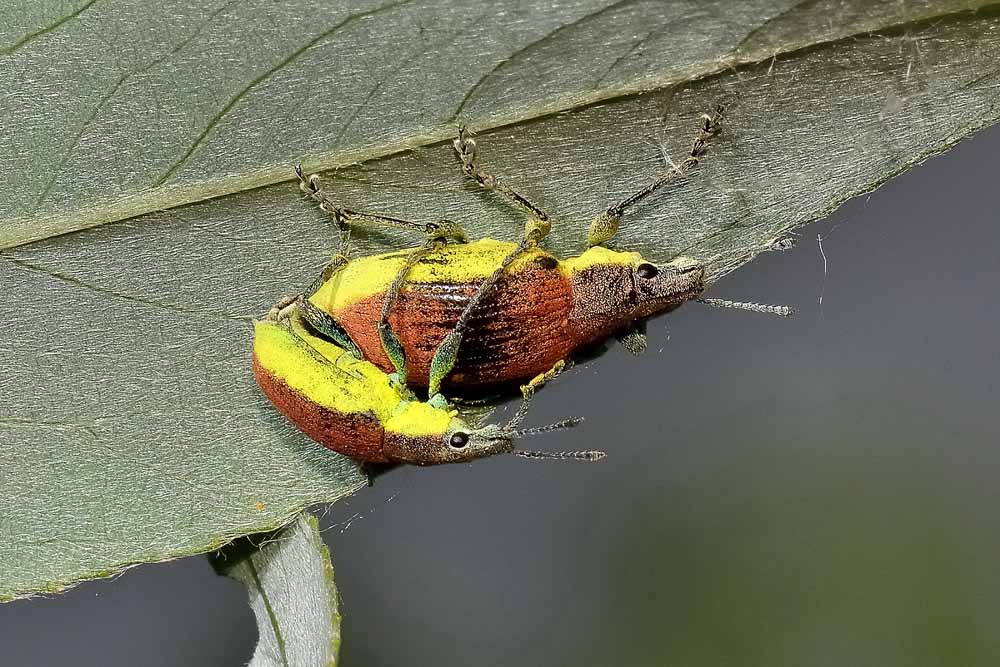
(588, 455)
(535, 430)
(782, 311)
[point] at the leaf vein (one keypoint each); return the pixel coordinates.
(54, 172)
(29, 266)
(291, 58)
(527, 48)
(47, 29)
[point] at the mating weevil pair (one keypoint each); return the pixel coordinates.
(458, 316)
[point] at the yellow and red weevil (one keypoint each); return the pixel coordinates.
(474, 315)
(352, 407)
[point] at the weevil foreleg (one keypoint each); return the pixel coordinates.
(606, 225)
(338, 262)
(538, 224)
(447, 351)
(442, 230)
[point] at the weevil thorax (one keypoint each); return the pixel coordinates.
(421, 434)
(612, 289)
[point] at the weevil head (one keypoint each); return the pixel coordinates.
(661, 288)
(421, 434)
(613, 288)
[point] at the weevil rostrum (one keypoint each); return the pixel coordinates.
(466, 315)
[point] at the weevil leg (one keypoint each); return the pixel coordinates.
(316, 317)
(528, 392)
(390, 342)
(282, 309)
(338, 262)
(327, 327)
(442, 230)
(606, 225)
(447, 351)
(538, 224)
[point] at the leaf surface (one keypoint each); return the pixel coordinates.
(130, 427)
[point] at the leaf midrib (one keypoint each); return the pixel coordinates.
(24, 230)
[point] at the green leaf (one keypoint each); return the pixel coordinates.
(130, 427)
(289, 577)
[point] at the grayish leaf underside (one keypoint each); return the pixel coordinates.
(289, 579)
(130, 427)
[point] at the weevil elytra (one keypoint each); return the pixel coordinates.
(471, 315)
(350, 406)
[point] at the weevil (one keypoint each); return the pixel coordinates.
(472, 315)
(351, 406)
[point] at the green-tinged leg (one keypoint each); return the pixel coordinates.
(390, 342)
(338, 262)
(317, 318)
(538, 224)
(447, 352)
(606, 225)
(327, 327)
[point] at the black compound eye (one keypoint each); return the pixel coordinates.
(647, 270)
(459, 440)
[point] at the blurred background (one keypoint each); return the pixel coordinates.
(814, 491)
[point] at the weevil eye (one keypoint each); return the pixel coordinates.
(647, 270)
(458, 440)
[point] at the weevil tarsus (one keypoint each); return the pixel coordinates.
(538, 225)
(528, 392)
(634, 339)
(605, 226)
(282, 309)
